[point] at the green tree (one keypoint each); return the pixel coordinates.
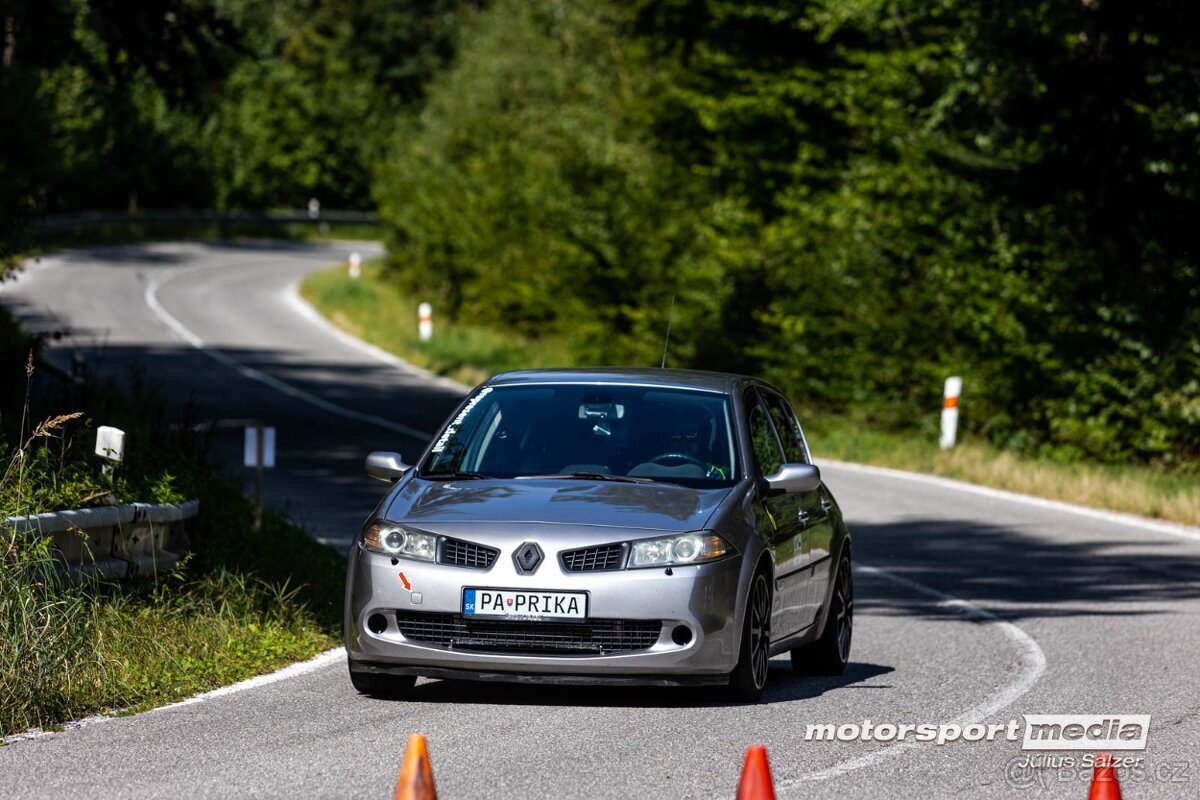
(307, 114)
(855, 199)
(528, 196)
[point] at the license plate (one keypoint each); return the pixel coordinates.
(524, 604)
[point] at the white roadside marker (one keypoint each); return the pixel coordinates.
(950, 412)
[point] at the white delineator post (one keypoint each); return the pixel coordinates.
(259, 453)
(950, 412)
(355, 265)
(110, 445)
(425, 321)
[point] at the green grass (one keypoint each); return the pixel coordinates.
(69, 651)
(244, 601)
(374, 310)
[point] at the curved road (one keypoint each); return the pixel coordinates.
(973, 606)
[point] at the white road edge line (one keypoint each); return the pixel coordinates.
(164, 316)
(291, 671)
(284, 673)
(1117, 517)
(1031, 658)
(305, 309)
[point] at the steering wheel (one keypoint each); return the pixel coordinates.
(678, 457)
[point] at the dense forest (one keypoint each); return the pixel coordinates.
(853, 198)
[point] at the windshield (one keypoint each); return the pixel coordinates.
(629, 433)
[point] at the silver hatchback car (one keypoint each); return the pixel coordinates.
(622, 526)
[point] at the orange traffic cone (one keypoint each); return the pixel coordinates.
(1104, 780)
(416, 775)
(756, 781)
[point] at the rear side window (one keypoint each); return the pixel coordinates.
(788, 429)
(767, 455)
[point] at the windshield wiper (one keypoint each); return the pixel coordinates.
(454, 475)
(590, 476)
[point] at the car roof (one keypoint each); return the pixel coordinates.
(699, 380)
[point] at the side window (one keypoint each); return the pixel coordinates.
(767, 455)
(788, 428)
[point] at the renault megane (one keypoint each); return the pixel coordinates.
(615, 526)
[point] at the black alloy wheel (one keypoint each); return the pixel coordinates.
(748, 678)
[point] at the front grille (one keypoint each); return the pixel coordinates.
(594, 637)
(466, 554)
(591, 559)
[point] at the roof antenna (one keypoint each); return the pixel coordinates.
(667, 340)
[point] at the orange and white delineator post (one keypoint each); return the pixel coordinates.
(950, 412)
(425, 322)
(355, 262)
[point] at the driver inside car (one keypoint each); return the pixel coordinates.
(686, 451)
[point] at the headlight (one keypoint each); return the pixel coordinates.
(400, 541)
(690, 548)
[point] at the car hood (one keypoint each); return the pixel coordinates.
(663, 507)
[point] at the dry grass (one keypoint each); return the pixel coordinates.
(1143, 490)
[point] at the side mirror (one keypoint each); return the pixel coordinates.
(386, 466)
(794, 478)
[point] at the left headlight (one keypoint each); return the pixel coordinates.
(400, 541)
(690, 548)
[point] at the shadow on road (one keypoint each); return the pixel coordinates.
(1022, 574)
(319, 479)
(784, 685)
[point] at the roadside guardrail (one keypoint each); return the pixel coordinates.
(54, 223)
(111, 542)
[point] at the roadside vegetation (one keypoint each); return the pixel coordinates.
(206, 104)
(373, 309)
(853, 199)
(242, 603)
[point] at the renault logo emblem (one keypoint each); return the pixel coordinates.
(527, 558)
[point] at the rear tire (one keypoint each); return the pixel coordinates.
(748, 678)
(830, 654)
(382, 685)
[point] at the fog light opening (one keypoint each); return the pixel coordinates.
(377, 623)
(681, 635)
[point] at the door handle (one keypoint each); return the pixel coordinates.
(803, 516)
(826, 504)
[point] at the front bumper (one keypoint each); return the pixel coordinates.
(701, 598)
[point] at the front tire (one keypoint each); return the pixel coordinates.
(830, 654)
(748, 678)
(382, 685)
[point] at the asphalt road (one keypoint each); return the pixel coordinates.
(971, 607)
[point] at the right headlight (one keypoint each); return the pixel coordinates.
(689, 548)
(400, 541)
